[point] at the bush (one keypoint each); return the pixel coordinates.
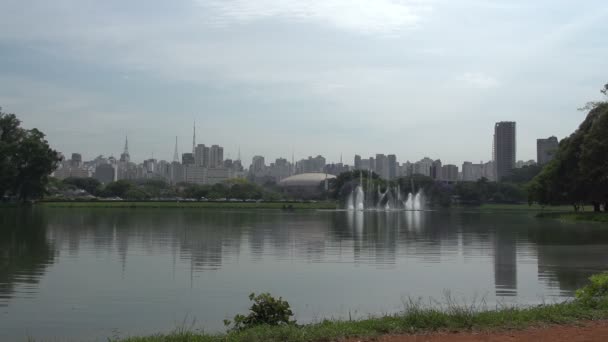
(595, 292)
(266, 310)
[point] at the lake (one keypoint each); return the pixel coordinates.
(74, 274)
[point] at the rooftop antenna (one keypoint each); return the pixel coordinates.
(239, 156)
(126, 151)
(175, 154)
(193, 136)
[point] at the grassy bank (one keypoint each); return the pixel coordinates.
(415, 319)
(194, 205)
(523, 207)
(572, 216)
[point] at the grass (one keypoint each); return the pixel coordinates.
(573, 216)
(202, 205)
(415, 319)
(524, 207)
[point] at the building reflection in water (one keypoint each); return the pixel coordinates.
(31, 240)
(505, 263)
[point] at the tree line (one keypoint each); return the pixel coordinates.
(26, 160)
(139, 190)
(438, 193)
(578, 174)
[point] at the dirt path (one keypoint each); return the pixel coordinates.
(584, 332)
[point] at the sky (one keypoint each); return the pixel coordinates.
(413, 78)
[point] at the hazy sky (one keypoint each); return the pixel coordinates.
(414, 78)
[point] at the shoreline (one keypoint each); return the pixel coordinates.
(589, 216)
(188, 205)
(414, 321)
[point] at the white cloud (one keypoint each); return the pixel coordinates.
(478, 80)
(363, 16)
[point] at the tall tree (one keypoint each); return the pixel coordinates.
(26, 160)
(579, 172)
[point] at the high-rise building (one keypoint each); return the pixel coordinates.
(489, 171)
(357, 162)
(105, 173)
(216, 156)
(436, 170)
(471, 172)
(392, 166)
(257, 164)
(449, 173)
(382, 166)
(545, 150)
(177, 173)
(188, 159)
(504, 148)
(280, 169)
(316, 164)
(423, 166)
(520, 163)
(201, 155)
(76, 160)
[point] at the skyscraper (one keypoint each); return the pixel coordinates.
(436, 170)
(357, 162)
(504, 148)
(201, 155)
(193, 138)
(392, 166)
(382, 166)
(545, 150)
(175, 153)
(216, 156)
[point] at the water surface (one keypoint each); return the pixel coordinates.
(95, 273)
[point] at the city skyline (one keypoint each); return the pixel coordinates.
(206, 164)
(179, 148)
(275, 76)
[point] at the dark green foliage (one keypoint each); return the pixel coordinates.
(26, 160)
(117, 189)
(266, 310)
(579, 172)
(90, 185)
(523, 175)
(596, 292)
(233, 188)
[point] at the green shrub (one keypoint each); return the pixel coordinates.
(595, 292)
(266, 310)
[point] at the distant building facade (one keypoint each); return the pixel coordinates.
(504, 148)
(449, 173)
(546, 149)
(105, 173)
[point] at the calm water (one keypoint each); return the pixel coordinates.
(97, 273)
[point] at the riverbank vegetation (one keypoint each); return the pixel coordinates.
(438, 193)
(576, 216)
(287, 205)
(26, 160)
(591, 303)
(578, 173)
(154, 189)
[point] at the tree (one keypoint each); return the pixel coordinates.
(579, 171)
(26, 160)
(117, 189)
(90, 185)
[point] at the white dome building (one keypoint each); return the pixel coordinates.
(305, 185)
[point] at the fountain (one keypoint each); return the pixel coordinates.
(367, 197)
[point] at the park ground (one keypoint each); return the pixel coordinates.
(593, 331)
